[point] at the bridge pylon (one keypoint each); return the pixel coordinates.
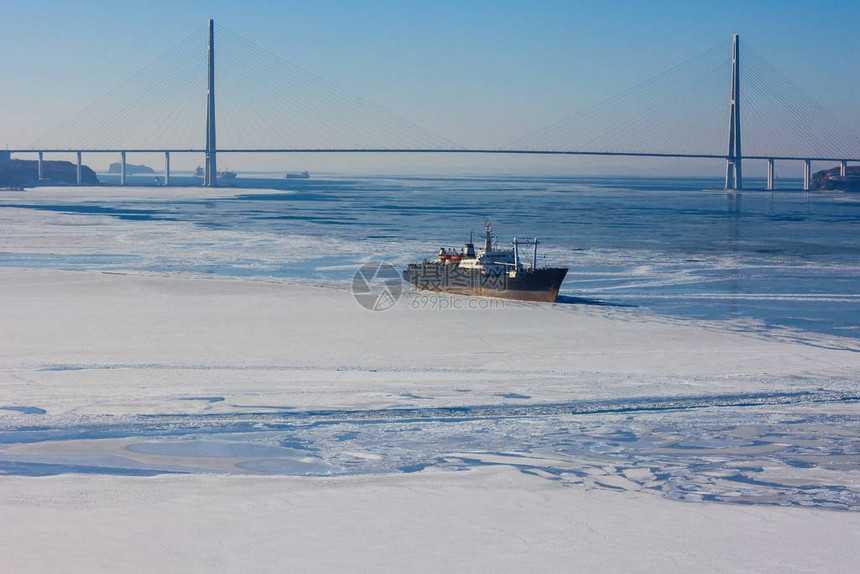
(734, 178)
(210, 176)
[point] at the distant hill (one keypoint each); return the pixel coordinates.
(26, 172)
(130, 168)
(830, 180)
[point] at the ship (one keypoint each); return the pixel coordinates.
(489, 272)
(297, 175)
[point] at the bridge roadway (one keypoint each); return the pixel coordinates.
(807, 171)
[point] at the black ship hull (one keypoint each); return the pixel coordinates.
(528, 285)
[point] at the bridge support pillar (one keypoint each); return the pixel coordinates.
(122, 168)
(78, 176)
(733, 174)
(41, 173)
(770, 174)
(843, 168)
(167, 168)
(807, 174)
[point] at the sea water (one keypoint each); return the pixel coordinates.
(673, 246)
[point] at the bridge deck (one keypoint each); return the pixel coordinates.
(442, 151)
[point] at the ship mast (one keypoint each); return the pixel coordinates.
(516, 254)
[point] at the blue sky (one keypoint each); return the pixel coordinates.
(500, 68)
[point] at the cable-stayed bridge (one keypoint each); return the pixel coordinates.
(715, 105)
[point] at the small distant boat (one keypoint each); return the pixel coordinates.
(297, 175)
(227, 174)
